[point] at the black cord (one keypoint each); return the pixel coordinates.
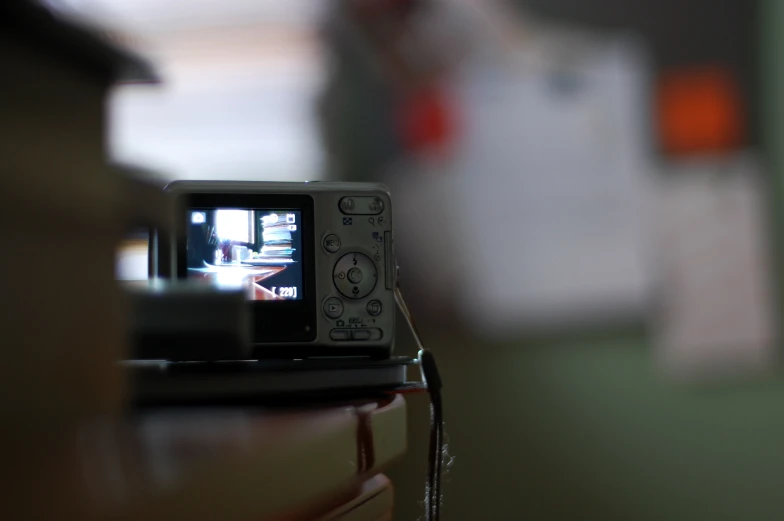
(431, 496)
(431, 377)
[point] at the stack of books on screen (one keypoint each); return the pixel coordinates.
(277, 240)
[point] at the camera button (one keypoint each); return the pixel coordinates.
(360, 334)
(331, 243)
(376, 206)
(340, 334)
(333, 307)
(374, 308)
(363, 205)
(355, 275)
(347, 205)
(367, 334)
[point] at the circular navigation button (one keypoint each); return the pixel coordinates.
(331, 243)
(333, 307)
(374, 308)
(355, 275)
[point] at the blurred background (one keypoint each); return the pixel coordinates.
(588, 214)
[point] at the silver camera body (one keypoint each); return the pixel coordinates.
(316, 260)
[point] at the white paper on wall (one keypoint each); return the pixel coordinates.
(551, 190)
(716, 300)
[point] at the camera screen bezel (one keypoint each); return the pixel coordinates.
(280, 321)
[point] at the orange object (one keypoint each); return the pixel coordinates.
(699, 111)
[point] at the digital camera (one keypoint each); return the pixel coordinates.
(315, 260)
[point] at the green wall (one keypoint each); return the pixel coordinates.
(592, 431)
(588, 429)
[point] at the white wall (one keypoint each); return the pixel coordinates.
(240, 81)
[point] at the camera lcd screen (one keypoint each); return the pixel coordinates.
(259, 250)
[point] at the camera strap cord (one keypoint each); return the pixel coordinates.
(431, 378)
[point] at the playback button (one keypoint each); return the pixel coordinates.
(333, 307)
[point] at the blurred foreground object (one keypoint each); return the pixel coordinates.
(62, 326)
(171, 321)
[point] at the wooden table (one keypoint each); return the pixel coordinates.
(246, 275)
(195, 464)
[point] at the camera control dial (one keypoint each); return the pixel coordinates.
(355, 275)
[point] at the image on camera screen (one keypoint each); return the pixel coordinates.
(258, 250)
